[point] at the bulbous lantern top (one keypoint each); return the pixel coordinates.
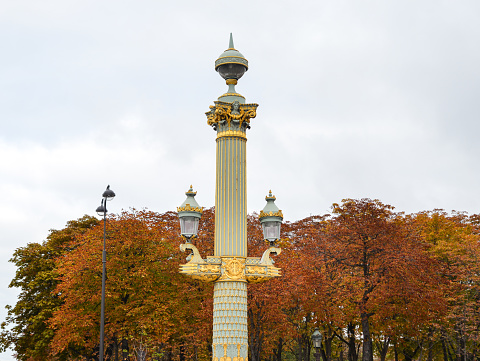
(271, 219)
(189, 214)
(231, 64)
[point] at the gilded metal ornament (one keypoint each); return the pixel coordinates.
(270, 214)
(189, 208)
(226, 113)
(233, 268)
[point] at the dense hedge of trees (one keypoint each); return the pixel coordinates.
(378, 284)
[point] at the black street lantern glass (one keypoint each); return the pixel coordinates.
(108, 194)
(101, 210)
(317, 339)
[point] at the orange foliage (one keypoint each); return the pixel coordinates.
(147, 300)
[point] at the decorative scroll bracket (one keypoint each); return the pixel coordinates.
(250, 269)
(197, 268)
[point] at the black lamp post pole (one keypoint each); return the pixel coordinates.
(104, 270)
(102, 211)
(317, 353)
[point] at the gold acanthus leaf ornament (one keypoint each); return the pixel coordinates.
(228, 112)
(189, 208)
(270, 214)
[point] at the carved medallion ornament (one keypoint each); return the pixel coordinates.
(234, 269)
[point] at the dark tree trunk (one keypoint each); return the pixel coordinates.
(125, 350)
(256, 333)
(409, 353)
(444, 349)
(327, 351)
(182, 353)
(168, 355)
(367, 354)
(430, 346)
(352, 346)
(382, 347)
(277, 351)
(115, 349)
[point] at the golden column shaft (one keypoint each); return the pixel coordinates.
(230, 195)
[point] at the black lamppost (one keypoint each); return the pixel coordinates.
(317, 343)
(102, 211)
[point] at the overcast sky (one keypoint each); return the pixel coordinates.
(375, 99)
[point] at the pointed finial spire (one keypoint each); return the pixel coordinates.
(270, 196)
(230, 44)
(190, 191)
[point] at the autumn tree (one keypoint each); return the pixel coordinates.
(454, 241)
(147, 300)
(381, 262)
(26, 326)
(364, 275)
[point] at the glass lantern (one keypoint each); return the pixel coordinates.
(188, 225)
(189, 214)
(317, 339)
(271, 219)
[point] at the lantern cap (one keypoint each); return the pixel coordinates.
(101, 210)
(270, 210)
(190, 206)
(109, 194)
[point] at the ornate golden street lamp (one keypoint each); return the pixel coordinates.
(229, 268)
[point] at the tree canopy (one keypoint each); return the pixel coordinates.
(376, 283)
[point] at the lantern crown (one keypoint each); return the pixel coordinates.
(189, 214)
(190, 205)
(108, 194)
(271, 219)
(270, 209)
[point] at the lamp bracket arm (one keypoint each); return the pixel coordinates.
(196, 258)
(266, 260)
